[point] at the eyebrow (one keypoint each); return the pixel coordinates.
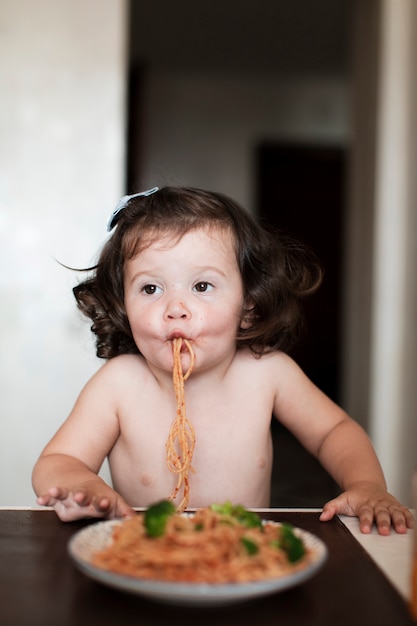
(203, 268)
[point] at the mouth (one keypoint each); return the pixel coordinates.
(178, 338)
(180, 345)
(177, 334)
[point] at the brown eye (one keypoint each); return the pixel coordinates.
(201, 287)
(150, 289)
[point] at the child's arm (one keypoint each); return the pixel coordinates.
(348, 455)
(66, 474)
(89, 495)
(343, 448)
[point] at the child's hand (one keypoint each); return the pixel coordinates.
(370, 503)
(82, 503)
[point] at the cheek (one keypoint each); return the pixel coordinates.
(227, 320)
(135, 317)
(145, 324)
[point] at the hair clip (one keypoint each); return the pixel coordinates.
(123, 202)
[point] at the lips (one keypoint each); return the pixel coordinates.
(179, 335)
(175, 334)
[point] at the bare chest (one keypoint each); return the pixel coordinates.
(232, 456)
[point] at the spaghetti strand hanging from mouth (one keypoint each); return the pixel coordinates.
(181, 439)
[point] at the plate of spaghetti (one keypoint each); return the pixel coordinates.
(217, 555)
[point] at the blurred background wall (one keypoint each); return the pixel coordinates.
(103, 97)
(62, 156)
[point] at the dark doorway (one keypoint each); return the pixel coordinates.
(301, 190)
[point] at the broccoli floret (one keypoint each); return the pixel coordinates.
(156, 517)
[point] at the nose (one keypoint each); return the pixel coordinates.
(177, 309)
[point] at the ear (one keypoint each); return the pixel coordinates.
(247, 317)
(245, 323)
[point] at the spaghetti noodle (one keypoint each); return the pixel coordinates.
(202, 547)
(181, 439)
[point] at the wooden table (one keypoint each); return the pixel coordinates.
(39, 584)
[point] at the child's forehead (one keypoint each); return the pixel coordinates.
(166, 238)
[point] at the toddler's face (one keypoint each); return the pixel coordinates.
(190, 288)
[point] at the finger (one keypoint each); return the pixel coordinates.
(70, 513)
(123, 509)
(59, 493)
(82, 498)
(328, 512)
(366, 519)
(386, 516)
(337, 506)
(52, 497)
(101, 504)
(409, 518)
(402, 519)
(44, 500)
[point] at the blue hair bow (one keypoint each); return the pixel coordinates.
(123, 202)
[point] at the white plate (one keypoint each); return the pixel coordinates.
(97, 536)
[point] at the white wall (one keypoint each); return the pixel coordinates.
(62, 69)
(380, 360)
(202, 129)
(393, 389)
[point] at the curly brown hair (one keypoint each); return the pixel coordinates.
(277, 272)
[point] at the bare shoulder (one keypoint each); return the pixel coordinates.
(117, 373)
(123, 365)
(272, 363)
(269, 375)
